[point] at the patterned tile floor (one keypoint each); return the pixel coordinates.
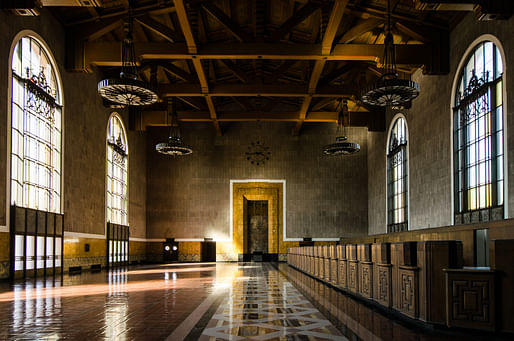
(263, 305)
(206, 301)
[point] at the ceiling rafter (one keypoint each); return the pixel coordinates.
(336, 16)
(236, 70)
(337, 73)
(108, 53)
(359, 29)
(193, 102)
(226, 21)
(322, 102)
(96, 30)
(197, 63)
(357, 118)
(158, 28)
(178, 72)
(280, 71)
(259, 89)
(303, 13)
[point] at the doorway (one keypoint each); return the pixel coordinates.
(257, 233)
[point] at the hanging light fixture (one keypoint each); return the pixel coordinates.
(389, 89)
(342, 147)
(174, 145)
(127, 89)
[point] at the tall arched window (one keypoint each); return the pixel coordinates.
(117, 153)
(36, 144)
(117, 200)
(35, 128)
(397, 190)
(478, 136)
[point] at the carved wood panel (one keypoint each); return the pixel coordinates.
(383, 285)
(470, 299)
(326, 269)
(342, 273)
(366, 279)
(353, 276)
(321, 268)
(333, 271)
(408, 291)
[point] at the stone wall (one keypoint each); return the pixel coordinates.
(188, 197)
(429, 127)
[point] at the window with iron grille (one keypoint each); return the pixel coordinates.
(397, 191)
(478, 137)
(36, 109)
(116, 172)
(36, 222)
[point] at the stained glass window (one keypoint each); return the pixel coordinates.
(478, 133)
(36, 109)
(116, 172)
(397, 191)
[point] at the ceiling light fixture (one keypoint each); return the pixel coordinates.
(127, 89)
(342, 147)
(390, 90)
(174, 146)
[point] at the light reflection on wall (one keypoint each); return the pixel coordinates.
(116, 306)
(33, 308)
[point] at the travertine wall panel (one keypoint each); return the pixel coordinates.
(189, 197)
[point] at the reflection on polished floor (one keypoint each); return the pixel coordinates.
(206, 301)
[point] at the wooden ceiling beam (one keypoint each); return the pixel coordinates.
(414, 31)
(280, 71)
(158, 28)
(356, 118)
(193, 102)
(359, 29)
(258, 89)
(336, 16)
(236, 70)
(109, 53)
(197, 63)
(178, 72)
(337, 73)
(96, 30)
(185, 26)
(226, 21)
(213, 115)
(323, 102)
(303, 13)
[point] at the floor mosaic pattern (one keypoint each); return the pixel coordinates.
(263, 305)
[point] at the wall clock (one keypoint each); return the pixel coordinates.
(257, 153)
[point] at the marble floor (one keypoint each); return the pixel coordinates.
(197, 301)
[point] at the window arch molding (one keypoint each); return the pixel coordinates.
(388, 141)
(456, 80)
(59, 83)
(119, 119)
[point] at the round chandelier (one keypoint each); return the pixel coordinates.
(342, 147)
(390, 90)
(127, 89)
(174, 145)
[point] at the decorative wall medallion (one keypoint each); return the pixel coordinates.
(257, 153)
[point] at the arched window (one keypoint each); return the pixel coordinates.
(117, 153)
(117, 219)
(36, 145)
(36, 110)
(397, 196)
(478, 136)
